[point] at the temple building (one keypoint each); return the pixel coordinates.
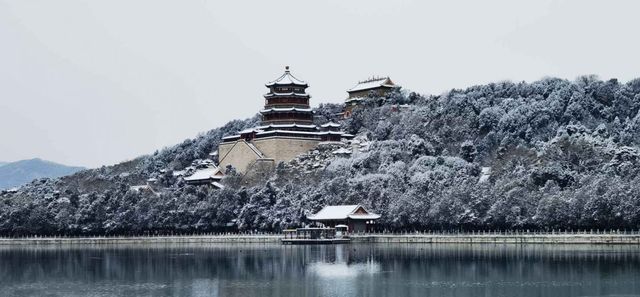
(206, 176)
(356, 217)
(286, 131)
(379, 86)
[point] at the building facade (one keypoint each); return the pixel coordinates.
(378, 86)
(206, 176)
(356, 217)
(286, 131)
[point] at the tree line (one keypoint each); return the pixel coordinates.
(544, 155)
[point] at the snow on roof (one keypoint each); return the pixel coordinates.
(204, 162)
(278, 109)
(301, 132)
(288, 131)
(204, 174)
(370, 216)
(342, 151)
(330, 124)
(287, 79)
(260, 132)
(353, 99)
(230, 137)
(372, 83)
(330, 132)
(334, 212)
(250, 130)
(342, 212)
(286, 126)
(217, 185)
(287, 94)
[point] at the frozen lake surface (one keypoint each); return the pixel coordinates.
(342, 270)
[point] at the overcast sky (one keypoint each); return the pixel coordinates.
(97, 82)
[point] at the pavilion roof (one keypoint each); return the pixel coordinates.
(342, 212)
(210, 173)
(217, 185)
(372, 84)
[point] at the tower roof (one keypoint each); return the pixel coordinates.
(290, 94)
(287, 79)
(286, 109)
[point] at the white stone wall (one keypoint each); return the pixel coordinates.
(237, 154)
(280, 149)
(284, 149)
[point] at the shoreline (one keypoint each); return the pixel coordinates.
(618, 239)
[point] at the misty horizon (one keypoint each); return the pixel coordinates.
(91, 84)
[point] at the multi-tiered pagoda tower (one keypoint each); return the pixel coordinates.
(287, 129)
(287, 102)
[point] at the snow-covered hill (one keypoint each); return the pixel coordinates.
(549, 154)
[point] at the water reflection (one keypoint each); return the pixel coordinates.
(340, 270)
(343, 270)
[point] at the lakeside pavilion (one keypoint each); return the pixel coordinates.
(356, 217)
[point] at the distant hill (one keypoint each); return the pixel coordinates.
(21, 172)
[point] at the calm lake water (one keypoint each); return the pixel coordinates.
(342, 270)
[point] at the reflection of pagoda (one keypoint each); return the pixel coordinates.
(286, 131)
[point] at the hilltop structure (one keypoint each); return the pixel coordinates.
(379, 86)
(287, 129)
(206, 176)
